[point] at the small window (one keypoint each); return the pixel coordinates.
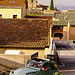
(14, 16)
(12, 2)
(0, 15)
(31, 1)
(58, 27)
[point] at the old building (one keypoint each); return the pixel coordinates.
(32, 4)
(12, 9)
(34, 7)
(64, 28)
(26, 35)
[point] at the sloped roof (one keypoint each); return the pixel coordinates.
(70, 16)
(12, 2)
(64, 18)
(11, 7)
(27, 33)
(42, 5)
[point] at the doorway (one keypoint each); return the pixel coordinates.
(58, 35)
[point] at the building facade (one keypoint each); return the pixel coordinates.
(64, 28)
(12, 9)
(10, 12)
(32, 4)
(26, 35)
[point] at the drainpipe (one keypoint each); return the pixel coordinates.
(68, 31)
(51, 37)
(48, 50)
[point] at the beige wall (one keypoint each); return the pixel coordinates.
(41, 52)
(14, 61)
(64, 32)
(31, 5)
(22, 59)
(72, 33)
(55, 38)
(8, 13)
(48, 11)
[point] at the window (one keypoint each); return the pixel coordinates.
(58, 27)
(0, 15)
(14, 16)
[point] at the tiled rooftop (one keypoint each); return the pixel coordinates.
(12, 2)
(23, 33)
(64, 18)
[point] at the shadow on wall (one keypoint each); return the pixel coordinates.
(16, 61)
(10, 64)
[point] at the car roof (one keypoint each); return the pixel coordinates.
(51, 62)
(39, 59)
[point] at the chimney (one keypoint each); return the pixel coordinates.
(24, 10)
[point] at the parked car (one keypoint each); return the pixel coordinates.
(38, 67)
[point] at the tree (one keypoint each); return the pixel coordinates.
(51, 5)
(55, 8)
(26, 4)
(36, 1)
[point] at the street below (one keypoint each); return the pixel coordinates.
(67, 58)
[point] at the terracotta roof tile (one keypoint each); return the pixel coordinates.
(23, 33)
(11, 3)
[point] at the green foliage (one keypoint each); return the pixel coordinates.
(32, 14)
(36, 1)
(26, 3)
(51, 5)
(55, 8)
(7, 69)
(3, 73)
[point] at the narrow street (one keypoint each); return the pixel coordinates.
(67, 57)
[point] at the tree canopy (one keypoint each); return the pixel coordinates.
(51, 5)
(26, 3)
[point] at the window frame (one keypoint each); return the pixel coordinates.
(13, 15)
(31, 1)
(2, 15)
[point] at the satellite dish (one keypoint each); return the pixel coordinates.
(12, 2)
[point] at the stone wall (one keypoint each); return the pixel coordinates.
(32, 4)
(14, 61)
(41, 52)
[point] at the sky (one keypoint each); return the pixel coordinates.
(60, 4)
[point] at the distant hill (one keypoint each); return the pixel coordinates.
(64, 7)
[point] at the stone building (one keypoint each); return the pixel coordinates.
(34, 7)
(65, 26)
(32, 4)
